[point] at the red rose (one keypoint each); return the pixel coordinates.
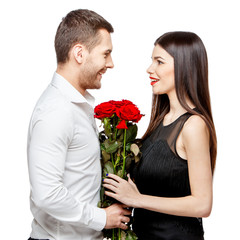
(127, 102)
(129, 112)
(116, 103)
(104, 110)
(119, 104)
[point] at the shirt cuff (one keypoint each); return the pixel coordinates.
(99, 219)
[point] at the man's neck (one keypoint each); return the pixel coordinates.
(70, 75)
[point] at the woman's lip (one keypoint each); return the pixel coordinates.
(154, 78)
(152, 83)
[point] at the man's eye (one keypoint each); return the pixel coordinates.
(106, 54)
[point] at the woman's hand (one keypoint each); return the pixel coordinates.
(124, 191)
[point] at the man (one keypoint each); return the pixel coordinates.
(63, 146)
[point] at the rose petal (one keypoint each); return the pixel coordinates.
(122, 125)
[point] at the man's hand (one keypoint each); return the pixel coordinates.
(116, 216)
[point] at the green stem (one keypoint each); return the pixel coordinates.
(116, 134)
(124, 152)
(113, 234)
(114, 126)
(119, 234)
(117, 160)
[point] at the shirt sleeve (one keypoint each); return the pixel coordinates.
(49, 138)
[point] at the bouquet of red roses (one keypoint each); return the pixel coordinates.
(119, 149)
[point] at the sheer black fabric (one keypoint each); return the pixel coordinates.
(162, 172)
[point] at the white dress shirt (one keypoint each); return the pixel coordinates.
(64, 165)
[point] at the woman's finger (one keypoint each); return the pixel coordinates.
(110, 187)
(110, 181)
(130, 180)
(110, 194)
(115, 177)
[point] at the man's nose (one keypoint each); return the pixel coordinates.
(109, 63)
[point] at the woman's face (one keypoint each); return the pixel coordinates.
(161, 71)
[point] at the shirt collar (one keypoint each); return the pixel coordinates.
(70, 92)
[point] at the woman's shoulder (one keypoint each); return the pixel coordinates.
(195, 126)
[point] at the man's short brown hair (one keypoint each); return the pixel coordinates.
(79, 26)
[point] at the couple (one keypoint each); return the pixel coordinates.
(173, 181)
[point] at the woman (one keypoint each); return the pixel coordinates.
(173, 180)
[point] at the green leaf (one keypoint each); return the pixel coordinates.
(131, 235)
(105, 156)
(131, 133)
(128, 147)
(108, 168)
(135, 149)
(120, 132)
(106, 144)
(113, 147)
(106, 203)
(107, 127)
(120, 173)
(121, 136)
(117, 160)
(123, 235)
(128, 163)
(102, 194)
(102, 146)
(137, 159)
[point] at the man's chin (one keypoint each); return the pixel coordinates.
(97, 86)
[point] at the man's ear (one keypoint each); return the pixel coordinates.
(77, 52)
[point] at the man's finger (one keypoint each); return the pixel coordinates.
(123, 226)
(125, 219)
(127, 212)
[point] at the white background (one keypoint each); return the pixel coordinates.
(27, 58)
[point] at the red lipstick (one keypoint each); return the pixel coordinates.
(154, 80)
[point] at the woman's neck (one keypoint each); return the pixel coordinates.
(176, 109)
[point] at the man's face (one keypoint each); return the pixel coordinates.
(97, 62)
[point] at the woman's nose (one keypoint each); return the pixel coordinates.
(150, 69)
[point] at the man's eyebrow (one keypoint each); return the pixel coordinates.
(108, 51)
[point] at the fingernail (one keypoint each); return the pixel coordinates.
(106, 174)
(103, 179)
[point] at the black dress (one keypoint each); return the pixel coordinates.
(162, 172)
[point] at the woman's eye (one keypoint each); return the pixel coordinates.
(159, 62)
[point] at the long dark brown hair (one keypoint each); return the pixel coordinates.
(191, 81)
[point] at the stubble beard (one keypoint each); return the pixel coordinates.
(90, 77)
